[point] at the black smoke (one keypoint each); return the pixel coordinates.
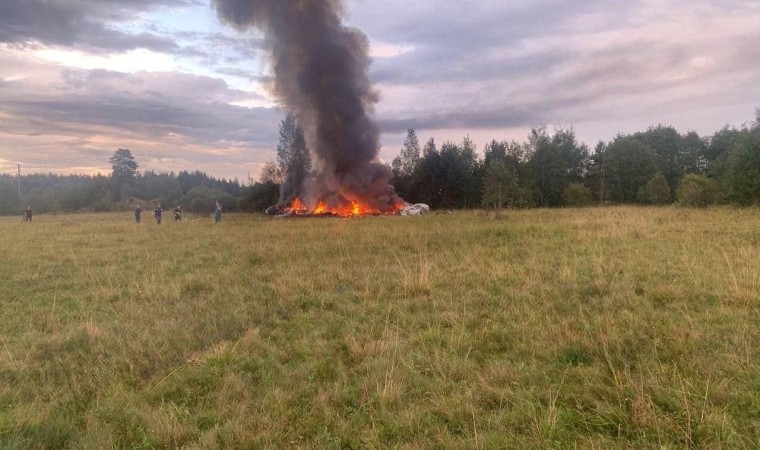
(320, 69)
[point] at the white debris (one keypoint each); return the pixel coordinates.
(418, 209)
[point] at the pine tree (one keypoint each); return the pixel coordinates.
(410, 154)
(124, 169)
(285, 146)
(293, 159)
(430, 148)
(123, 164)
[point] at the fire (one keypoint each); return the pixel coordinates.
(297, 205)
(353, 209)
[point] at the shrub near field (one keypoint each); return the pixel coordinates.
(588, 328)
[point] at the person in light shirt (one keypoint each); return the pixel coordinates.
(218, 213)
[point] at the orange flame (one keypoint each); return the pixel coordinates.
(320, 209)
(297, 205)
(354, 209)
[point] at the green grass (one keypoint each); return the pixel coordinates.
(574, 328)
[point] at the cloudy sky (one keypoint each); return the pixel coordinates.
(166, 79)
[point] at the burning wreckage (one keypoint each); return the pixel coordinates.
(320, 75)
(352, 209)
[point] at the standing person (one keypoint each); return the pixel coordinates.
(218, 213)
(157, 214)
(177, 213)
(138, 211)
(28, 214)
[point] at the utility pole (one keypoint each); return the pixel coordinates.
(19, 181)
(601, 197)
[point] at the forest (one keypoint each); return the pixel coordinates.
(195, 191)
(551, 168)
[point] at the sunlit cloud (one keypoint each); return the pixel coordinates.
(128, 62)
(386, 50)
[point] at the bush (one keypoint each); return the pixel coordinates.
(105, 204)
(697, 190)
(656, 191)
(500, 187)
(260, 196)
(743, 180)
(576, 194)
(202, 200)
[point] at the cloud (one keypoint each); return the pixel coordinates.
(497, 65)
(154, 104)
(89, 24)
(487, 67)
(62, 117)
(101, 28)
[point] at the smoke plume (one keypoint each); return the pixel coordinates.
(320, 69)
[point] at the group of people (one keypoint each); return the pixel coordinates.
(158, 211)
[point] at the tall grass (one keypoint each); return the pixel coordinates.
(575, 328)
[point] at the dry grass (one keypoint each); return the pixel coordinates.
(575, 328)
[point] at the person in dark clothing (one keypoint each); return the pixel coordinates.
(138, 211)
(28, 214)
(177, 213)
(157, 214)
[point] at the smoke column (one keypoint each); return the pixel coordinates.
(320, 69)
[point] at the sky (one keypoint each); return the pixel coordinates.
(183, 91)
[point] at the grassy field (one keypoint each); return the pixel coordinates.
(571, 328)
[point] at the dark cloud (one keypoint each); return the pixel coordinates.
(417, 68)
(514, 64)
(167, 85)
(85, 24)
(153, 105)
(218, 50)
(247, 74)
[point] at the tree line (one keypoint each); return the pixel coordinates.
(123, 189)
(550, 168)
